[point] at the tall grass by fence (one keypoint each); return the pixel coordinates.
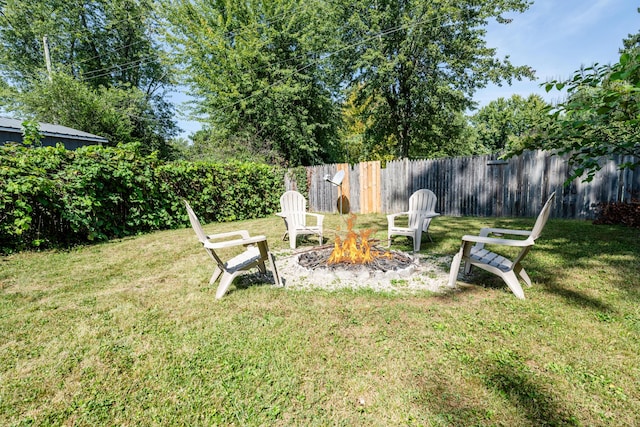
(473, 186)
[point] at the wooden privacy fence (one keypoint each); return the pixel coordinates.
(472, 186)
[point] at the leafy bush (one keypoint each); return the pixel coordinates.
(28, 210)
(54, 197)
(223, 192)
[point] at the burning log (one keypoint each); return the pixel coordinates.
(355, 250)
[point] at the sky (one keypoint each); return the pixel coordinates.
(554, 37)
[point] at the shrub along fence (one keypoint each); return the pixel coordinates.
(50, 196)
(473, 186)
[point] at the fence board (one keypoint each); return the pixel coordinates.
(474, 186)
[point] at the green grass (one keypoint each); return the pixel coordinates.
(129, 333)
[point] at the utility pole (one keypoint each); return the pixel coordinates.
(47, 58)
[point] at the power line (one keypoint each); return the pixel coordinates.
(116, 67)
(93, 74)
(101, 55)
(382, 33)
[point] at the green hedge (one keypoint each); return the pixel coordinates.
(52, 197)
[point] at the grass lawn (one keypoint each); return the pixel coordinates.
(129, 333)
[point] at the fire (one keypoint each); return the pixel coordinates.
(355, 248)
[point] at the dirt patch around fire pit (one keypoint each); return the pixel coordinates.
(407, 274)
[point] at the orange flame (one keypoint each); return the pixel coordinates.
(355, 248)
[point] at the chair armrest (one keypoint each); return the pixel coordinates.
(500, 231)
(242, 233)
(431, 215)
(397, 214)
(391, 218)
(236, 242)
(281, 214)
(495, 241)
(319, 217)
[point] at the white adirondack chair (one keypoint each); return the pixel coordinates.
(255, 254)
(421, 211)
(293, 207)
(473, 252)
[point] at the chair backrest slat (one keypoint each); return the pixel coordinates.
(543, 216)
(202, 236)
(195, 223)
(295, 206)
(420, 203)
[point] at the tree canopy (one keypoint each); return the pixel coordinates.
(417, 64)
(100, 42)
(101, 49)
(253, 68)
(279, 71)
(505, 125)
(295, 82)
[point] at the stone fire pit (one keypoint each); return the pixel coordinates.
(356, 261)
(411, 273)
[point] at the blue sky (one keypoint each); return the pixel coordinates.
(554, 37)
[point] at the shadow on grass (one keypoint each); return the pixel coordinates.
(578, 298)
(605, 256)
(252, 279)
(517, 389)
(530, 398)
(553, 286)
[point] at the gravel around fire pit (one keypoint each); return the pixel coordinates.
(415, 273)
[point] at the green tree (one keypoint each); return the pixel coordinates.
(356, 121)
(600, 117)
(102, 42)
(504, 124)
(421, 61)
(455, 139)
(119, 114)
(108, 46)
(253, 70)
(207, 145)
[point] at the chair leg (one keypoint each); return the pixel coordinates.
(455, 268)
(520, 271)
(276, 276)
(511, 280)
(417, 239)
(467, 268)
(425, 229)
(261, 267)
(465, 249)
(225, 282)
(216, 274)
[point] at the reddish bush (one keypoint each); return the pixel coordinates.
(619, 213)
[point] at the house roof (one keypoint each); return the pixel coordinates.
(53, 131)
